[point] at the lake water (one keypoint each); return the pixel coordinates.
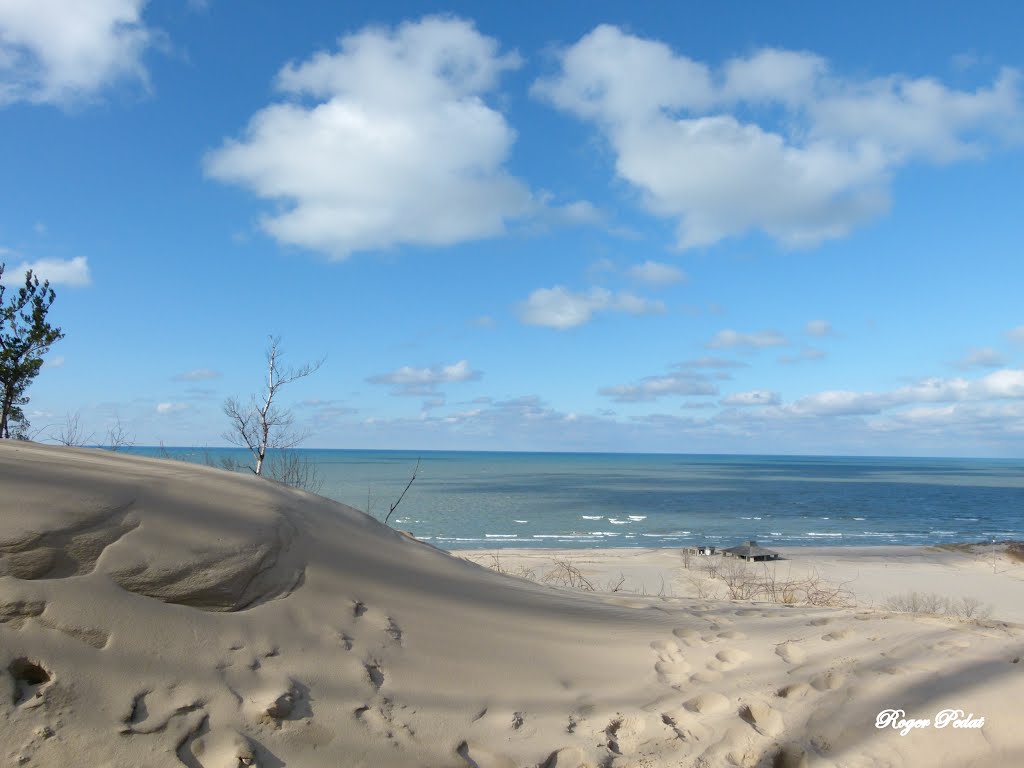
(477, 500)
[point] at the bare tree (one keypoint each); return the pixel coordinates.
(261, 425)
(71, 433)
(117, 437)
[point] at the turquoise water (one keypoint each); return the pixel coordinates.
(473, 499)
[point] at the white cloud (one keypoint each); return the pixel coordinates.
(74, 272)
(819, 328)
(385, 141)
(980, 357)
(54, 362)
(199, 374)
(62, 51)
(165, 408)
(753, 397)
(678, 383)
(773, 142)
(1017, 334)
(657, 273)
(730, 339)
(563, 309)
(408, 380)
(1004, 384)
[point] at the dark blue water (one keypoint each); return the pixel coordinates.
(473, 500)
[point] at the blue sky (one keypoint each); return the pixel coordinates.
(744, 228)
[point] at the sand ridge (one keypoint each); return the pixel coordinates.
(176, 615)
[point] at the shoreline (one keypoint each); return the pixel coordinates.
(874, 575)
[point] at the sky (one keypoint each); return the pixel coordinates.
(784, 228)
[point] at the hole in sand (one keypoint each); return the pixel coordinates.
(28, 676)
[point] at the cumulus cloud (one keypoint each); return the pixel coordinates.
(773, 142)
(657, 273)
(561, 308)
(408, 380)
(730, 339)
(73, 272)
(63, 51)
(753, 397)
(385, 141)
(980, 357)
(199, 374)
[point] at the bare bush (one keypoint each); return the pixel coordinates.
(71, 433)
(743, 582)
(294, 469)
(933, 604)
(566, 573)
(118, 437)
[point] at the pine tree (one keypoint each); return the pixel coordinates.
(25, 336)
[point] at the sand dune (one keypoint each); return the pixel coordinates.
(163, 614)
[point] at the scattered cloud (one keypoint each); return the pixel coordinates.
(562, 309)
(199, 374)
(165, 408)
(730, 339)
(484, 321)
(1017, 334)
(775, 141)
(677, 383)
(1007, 383)
(805, 355)
(408, 380)
(818, 328)
(402, 111)
(54, 362)
(712, 362)
(980, 357)
(753, 397)
(657, 273)
(65, 51)
(74, 272)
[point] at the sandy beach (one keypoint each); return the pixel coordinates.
(155, 613)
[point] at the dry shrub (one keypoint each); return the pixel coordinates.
(743, 581)
(565, 573)
(933, 604)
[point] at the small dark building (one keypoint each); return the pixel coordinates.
(701, 549)
(751, 551)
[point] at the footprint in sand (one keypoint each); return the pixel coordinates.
(710, 703)
(624, 734)
(794, 691)
(951, 644)
(763, 718)
(728, 659)
(839, 634)
(819, 622)
(828, 681)
(705, 677)
(685, 725)
(671, 667)
(689, 637)
(790, 652)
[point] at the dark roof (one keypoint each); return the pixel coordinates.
(751, 549)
